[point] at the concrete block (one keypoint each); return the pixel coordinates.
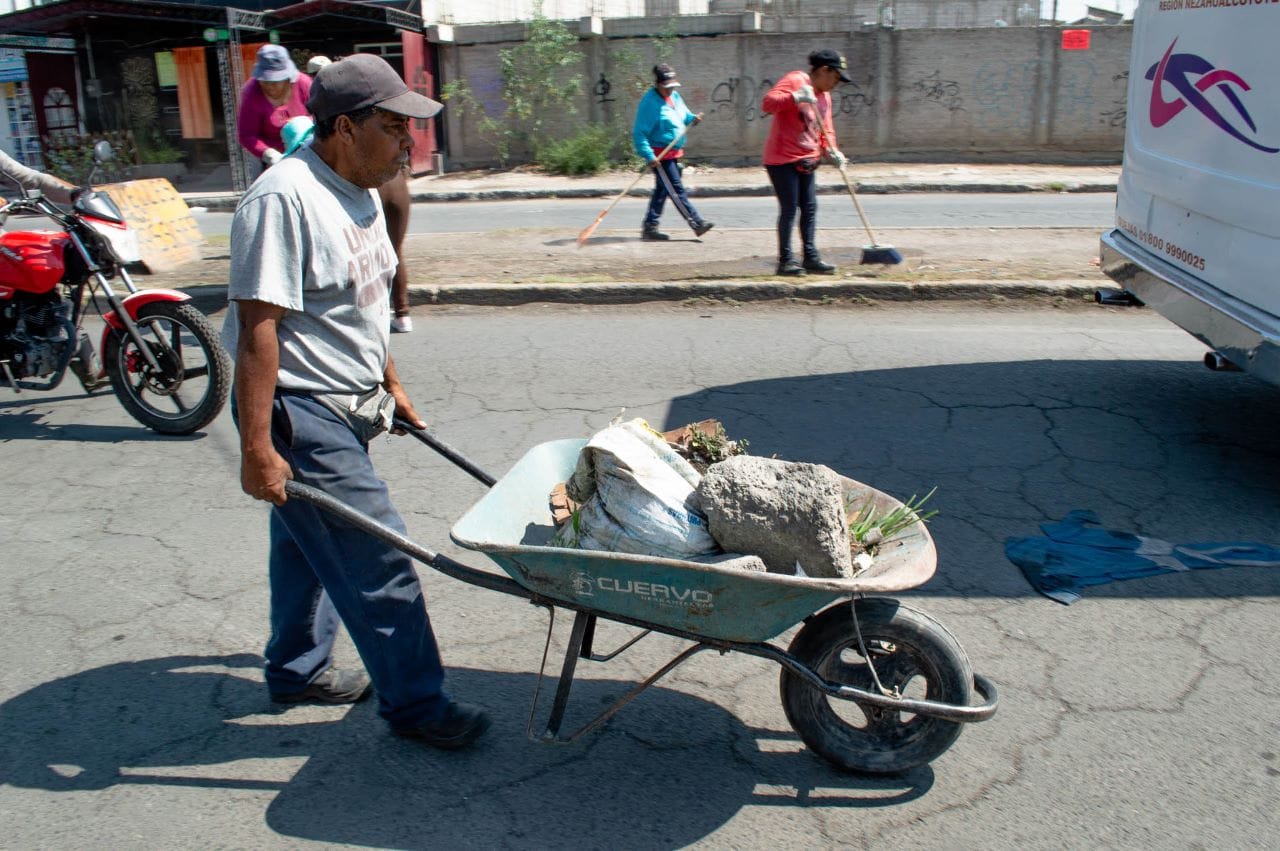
(783, 511)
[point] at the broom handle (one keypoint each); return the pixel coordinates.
(642, 173)
(857, 205)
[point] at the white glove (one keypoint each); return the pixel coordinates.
(838, 158)
(271, 156)
(804, 94)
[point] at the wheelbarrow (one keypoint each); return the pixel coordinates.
(869, 684)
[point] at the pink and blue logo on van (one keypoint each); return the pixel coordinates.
(1178, 69)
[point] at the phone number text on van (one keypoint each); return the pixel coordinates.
(1177, 252)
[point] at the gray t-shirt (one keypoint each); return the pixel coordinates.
(305, 239)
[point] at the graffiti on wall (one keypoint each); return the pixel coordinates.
(1118, 113)
(601, 90)
(738, 98)
(853, 98)
(1005, 92)
(1004, 89)
(1074, 99)
(945, 93)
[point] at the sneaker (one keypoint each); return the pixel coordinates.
(702, 227)
(651, 233)
(461, 725)
(790, 268)
(401, 325)
(333, 686)
(815, 264)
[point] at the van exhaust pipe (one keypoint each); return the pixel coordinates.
(1218, 363)
(1116, 298)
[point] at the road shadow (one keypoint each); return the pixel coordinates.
(1164, 449)
(614, 240)
(29, 425)
(668, 771)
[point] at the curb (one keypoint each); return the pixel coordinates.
(504, 295)
(212, 298)
(757, 191)
(227, 201)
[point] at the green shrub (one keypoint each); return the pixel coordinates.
(588, 152)
(161, 155)
(72, 159)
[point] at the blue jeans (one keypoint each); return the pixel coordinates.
(795, 190)
(666, 183)
(322, 570)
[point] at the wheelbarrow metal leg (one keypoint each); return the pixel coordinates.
(582, 623)
(588, 639)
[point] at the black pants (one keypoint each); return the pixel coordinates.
(795, 189)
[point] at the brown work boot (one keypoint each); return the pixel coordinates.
(333, 687)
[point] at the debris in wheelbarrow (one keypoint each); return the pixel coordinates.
(790, 514)
(701, 444)
(635, 495)
(704, 443)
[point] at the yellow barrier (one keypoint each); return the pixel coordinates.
(168, 235)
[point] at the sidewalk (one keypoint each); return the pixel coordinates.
(714, 181)
(545, 264)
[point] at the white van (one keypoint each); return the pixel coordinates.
(1197, 233)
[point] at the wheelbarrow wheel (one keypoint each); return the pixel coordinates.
(911, 652)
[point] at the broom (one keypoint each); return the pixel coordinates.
(874, 253)
(591, 228)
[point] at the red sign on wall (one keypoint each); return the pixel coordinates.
(1075, 39)
(417, 73)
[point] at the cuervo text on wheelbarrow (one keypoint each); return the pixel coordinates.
(585, 585)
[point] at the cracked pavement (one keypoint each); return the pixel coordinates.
(133, 597)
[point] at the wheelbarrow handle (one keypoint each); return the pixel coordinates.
(392, 537)
(447, 451)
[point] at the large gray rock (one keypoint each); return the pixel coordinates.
(783, 511)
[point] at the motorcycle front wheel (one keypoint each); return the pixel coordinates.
(190, 387)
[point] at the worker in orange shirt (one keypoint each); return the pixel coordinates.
(800, 135)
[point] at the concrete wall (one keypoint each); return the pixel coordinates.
(948, 94)
(900, 13)
(475, 11)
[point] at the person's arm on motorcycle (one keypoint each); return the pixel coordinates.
(404, 408)
(58, 190)
(263, 471)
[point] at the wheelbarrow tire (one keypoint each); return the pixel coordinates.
(910, 650)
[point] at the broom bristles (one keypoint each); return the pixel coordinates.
(885, 255)
(590, 229)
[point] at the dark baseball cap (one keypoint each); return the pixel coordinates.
(362, 80)
(665, 75)
(830, 59)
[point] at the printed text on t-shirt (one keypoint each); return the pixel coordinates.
(371, 263)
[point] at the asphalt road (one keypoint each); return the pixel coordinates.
(133, 598)
(916, 210)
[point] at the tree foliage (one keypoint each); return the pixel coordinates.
(541, 84)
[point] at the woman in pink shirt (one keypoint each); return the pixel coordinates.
(800, 134)
(276, 93)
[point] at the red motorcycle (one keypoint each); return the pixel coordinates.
(160, 354)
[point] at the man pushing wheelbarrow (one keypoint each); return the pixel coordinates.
(309, 325)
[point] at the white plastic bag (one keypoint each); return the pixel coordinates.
(636, 496)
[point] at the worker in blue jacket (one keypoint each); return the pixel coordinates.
(660, 118)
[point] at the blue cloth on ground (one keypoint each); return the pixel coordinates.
(1077, 552)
